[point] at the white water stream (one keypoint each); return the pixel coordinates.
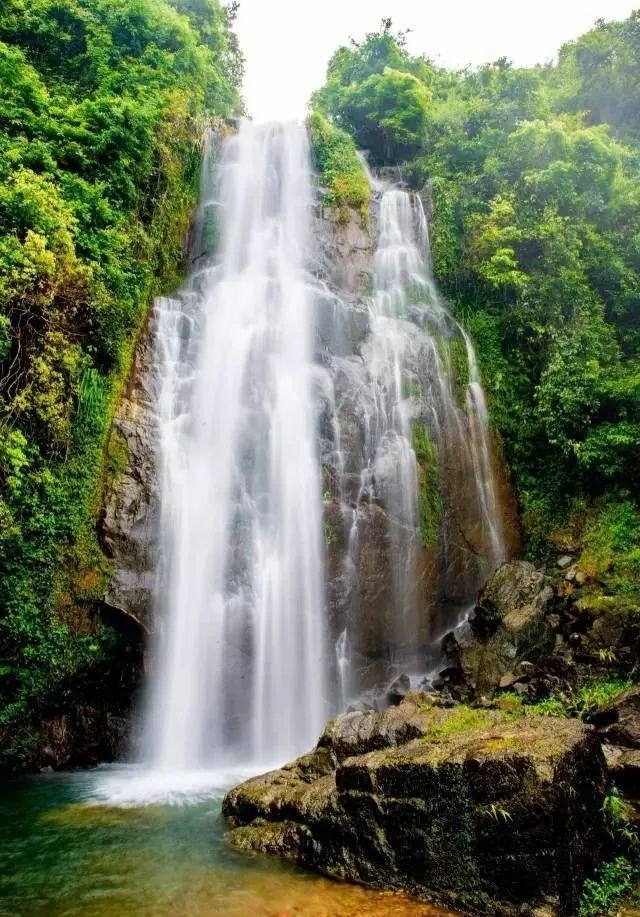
(241, 665)
(407, 348)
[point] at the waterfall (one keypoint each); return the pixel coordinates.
(328, 499)
(240, 664)
(481, 453)
(398, 389)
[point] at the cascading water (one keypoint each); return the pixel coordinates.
(293, 404)
(241, 661)
(400, 389)
(481, 453)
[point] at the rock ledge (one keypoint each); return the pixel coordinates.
(465, 806)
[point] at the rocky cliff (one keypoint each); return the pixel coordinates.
(129, 522)
(392, 588)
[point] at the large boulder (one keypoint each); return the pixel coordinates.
(619, 720)
(507, 628)
(463, 806)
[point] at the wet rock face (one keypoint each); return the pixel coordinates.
(131, 509)
(343, 251)
(408, 543)
(507, 629)
(462, 806)
(84, 738)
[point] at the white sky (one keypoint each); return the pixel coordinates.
(287, 43)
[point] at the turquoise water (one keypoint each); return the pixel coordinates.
(62, 855)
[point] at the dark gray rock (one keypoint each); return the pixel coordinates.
(398, 689)
(619, 721)
(84, 737)
(129, 522)
(624, 768)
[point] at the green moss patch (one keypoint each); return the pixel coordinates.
(429, 496)
(336, 159)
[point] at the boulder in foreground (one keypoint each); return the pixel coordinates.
(466, 807)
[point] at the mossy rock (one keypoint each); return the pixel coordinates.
(507, 627)
(611, 624)
(473, 808)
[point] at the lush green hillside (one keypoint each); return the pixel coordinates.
(102, 104)
(535, 176)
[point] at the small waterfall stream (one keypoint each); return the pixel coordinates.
(400, 390)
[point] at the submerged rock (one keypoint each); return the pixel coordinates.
(466, 807)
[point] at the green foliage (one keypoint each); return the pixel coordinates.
(603, 893)
(101, 110)
(599, 75)
(336, 159)
(498, 813)
(429, 496)
(330, 533)
(594, 695)
(549, 706)
(590, 697)
(459, 362)
(387, 113)
(619, 815)
(586, 700)
(611, 540)
(379, 94)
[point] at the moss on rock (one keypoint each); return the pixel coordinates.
(472, 807)
(429, 496)
(341, 172)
